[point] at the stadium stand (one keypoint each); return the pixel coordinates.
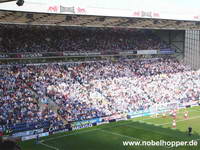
(90, 90)
(19, 106)
(107, 69)
(44, 39)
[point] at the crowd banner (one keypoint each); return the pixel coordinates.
(147, 52)
(31, 55)
(80, 53)
(166, 51)
(129, 52)
(84, 122)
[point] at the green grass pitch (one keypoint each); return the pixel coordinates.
(111, 136)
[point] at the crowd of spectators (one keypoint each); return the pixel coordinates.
(89, 90)
(19, 39)
(18, 102)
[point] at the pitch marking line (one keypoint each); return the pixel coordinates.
(126, 136)
(52, 147)
(122, 135)
(178, 121)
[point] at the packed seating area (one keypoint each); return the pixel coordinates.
(18, 102)
(19, 39)
(89, 90)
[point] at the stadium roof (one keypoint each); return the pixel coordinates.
(77, 13)
(12, 17)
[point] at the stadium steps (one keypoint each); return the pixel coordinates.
(51, 105)
(54, 107)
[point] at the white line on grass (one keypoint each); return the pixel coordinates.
(49, 146)
(126, 136)
(178, 121)
(122, 135)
